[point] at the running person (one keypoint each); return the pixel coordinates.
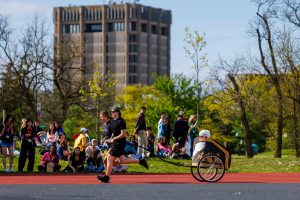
(118, 143)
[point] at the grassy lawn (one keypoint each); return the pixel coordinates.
(263, 162)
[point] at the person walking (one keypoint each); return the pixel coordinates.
(7, 138)
(140, 130)
(117, 150)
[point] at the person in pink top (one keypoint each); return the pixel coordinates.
(163, 148)
(49, 161)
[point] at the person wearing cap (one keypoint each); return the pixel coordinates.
(81, 141)
(117, 149)
(200, 146)
(140, 130)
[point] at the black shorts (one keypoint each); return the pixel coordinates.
(117, 149)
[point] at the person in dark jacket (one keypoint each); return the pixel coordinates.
(28, 136)
(181, 129)
(140, 130)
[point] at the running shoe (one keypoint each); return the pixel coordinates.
(103, 179)
(144, 163)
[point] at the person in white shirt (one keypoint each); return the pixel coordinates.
(200, 145)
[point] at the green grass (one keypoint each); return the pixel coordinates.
(264, 162)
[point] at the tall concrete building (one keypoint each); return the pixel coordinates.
(129, 40)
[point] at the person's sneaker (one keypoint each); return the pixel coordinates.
(144, 163)
(103, 179)
(11, 170)
(5, 170)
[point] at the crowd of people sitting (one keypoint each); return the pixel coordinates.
(88, 155)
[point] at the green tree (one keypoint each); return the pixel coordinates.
(182, 92)
(194, 50)
(98, 94)
(155, 101)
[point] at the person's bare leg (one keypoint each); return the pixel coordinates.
(4, 153)
(110, 162)
(11, 157)
(105, 161)
(127, 160)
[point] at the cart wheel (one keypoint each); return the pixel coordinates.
(210, 168)
(195, 174)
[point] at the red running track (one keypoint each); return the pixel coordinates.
(146, 178)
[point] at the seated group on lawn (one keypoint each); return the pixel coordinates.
(88, 155)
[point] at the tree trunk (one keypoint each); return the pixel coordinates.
(279, 121)
(295, 128)
(244, 118)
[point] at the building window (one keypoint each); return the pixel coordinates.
(132, 79)
(154, 29)
(132, 58)
(155, 15)
(144, 13)
(132, 48)
(132, 38)
(93, 28)
(132, 26)
(132, 69)
(144, 28)
(71, 28)
(164, 31)
(115, 27)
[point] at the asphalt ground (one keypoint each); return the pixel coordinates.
(244, 186)
(226, 191)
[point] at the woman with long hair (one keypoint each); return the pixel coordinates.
(163, 148)
(7, 138)
(28, 136)
(193, 131)
(76, 161)
(52, 136)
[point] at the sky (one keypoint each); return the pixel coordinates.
(224, 23)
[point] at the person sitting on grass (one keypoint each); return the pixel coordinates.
(49, 161)
(92, 148)
(94, 162)
(63, 150)
(52, 137)
(180, 153)
(150, 138)
(76, 162)
(163, 148)
(131, 145)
